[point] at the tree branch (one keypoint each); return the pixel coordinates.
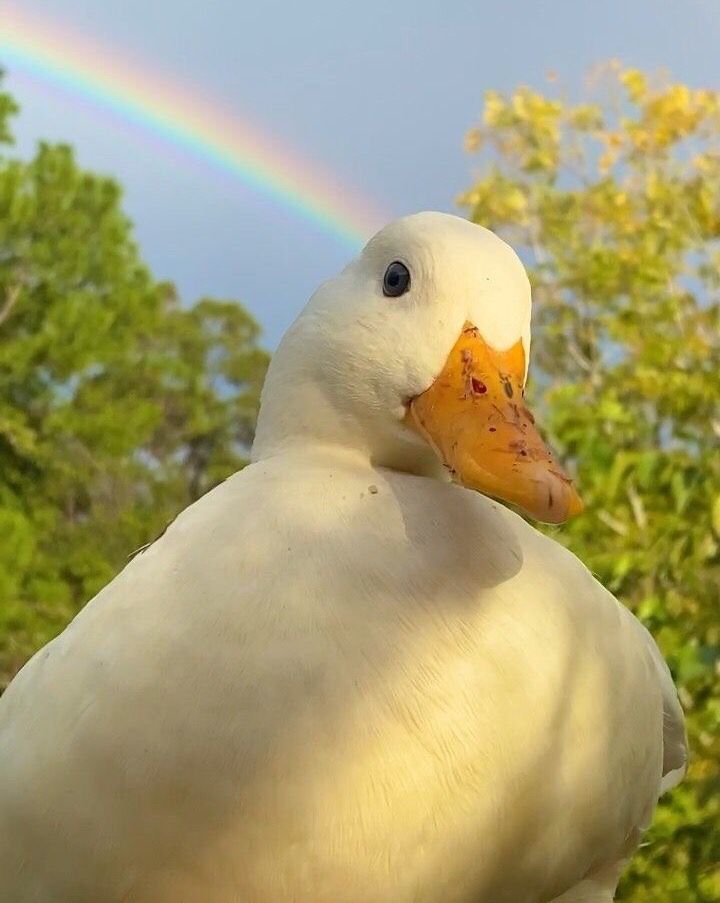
(638, 509)
(12, 294)
(617, 525)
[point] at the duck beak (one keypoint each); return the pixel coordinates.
(474, 417)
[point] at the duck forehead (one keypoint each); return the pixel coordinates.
(496, 298)
(462, 270)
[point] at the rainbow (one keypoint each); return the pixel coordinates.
(183, 119)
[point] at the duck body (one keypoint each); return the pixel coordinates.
(331, 682)
(339, 677)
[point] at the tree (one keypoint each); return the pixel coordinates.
(614, 204)
(118, 406)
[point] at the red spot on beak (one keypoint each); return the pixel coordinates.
(479, 387)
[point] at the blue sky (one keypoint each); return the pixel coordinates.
(379, 93)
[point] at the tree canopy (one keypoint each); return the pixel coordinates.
(118, 405)
(613, 201)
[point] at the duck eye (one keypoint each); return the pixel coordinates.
(397, 280)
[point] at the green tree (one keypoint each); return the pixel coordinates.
(118, 406)
(614, 204)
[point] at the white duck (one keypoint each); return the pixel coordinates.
(339, 677)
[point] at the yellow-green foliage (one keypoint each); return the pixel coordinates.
(614, 204)
(118, 406)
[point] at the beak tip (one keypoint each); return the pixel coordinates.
(576, 505)
(573, 505)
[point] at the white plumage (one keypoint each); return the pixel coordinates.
(338, 678)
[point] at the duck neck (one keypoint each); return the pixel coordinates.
(298, 415)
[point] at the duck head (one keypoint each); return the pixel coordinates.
(416, 355)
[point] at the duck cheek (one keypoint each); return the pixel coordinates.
(475, 418)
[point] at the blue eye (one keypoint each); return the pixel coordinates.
(397, 280)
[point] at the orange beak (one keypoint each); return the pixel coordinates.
(474, 417)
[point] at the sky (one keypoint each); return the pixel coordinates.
(375, 96)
